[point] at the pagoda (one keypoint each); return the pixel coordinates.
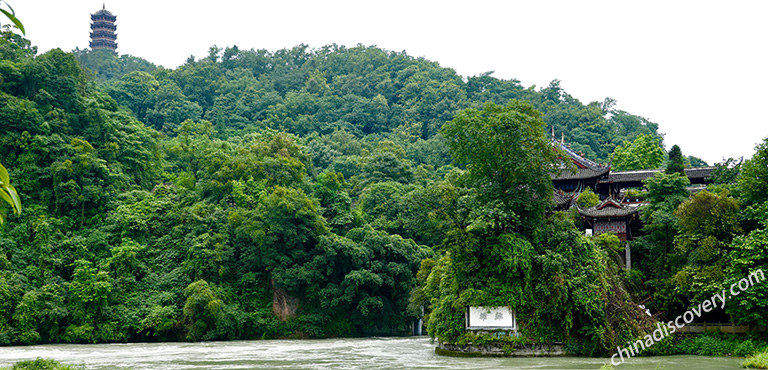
(103, 30)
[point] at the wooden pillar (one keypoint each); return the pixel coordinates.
(628, 256)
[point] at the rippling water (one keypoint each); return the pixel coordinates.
(367, 353)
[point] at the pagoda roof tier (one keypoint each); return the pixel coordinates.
(103, 24)
(103, 35)
(610, 207)
(104, 12)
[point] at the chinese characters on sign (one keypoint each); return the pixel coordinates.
(487, 318)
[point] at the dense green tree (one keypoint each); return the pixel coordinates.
(752, 185)
(106, 65)
(676, 162)
(588, 198)
(507, 154)
(642, 154)
(493, 258)
(747, 252)
(136, 91)
(696, 161)
(660, 226)
(747, 256)
(708, 223)
(201, 308)
(170, 108)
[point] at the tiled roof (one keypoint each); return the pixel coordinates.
(104, 11)
(585, 169)
(699, 172)
(608, 208)
(562, 199)
(630, 176)
(581, 173)
(579, 160)
(695, 173)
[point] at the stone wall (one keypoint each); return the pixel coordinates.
(500, 350)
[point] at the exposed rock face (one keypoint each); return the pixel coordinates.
(283, 305)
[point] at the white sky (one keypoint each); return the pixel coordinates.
(697, 68)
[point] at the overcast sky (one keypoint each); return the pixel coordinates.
(697, 68)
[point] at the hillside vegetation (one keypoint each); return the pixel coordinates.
(301, 193)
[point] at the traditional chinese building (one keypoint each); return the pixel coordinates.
(614, 213)
(618, 180)
(605, 182)
(588, 173)
(103, 29)
(610, 216)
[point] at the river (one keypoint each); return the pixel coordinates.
(363, 353)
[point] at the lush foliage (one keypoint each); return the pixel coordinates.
(588, 198)
(41, 364)
(564, 287)
(698, 244)
(507, 156)
(311, 193)
(131, 235)
(758, 361)
(250, 193)
(676, 161)
(643, 153)
(709, 344)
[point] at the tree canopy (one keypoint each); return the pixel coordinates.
(508, 156)
(644, 153)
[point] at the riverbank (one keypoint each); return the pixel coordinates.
(710, 344)
(703, 344)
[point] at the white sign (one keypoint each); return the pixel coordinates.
(485, 318)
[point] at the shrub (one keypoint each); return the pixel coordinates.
(41, 364)
(712, 346)
(588, 198)
(758, 361)
(745, 349)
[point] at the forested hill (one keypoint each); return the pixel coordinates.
(360, 90)
(253, 194)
